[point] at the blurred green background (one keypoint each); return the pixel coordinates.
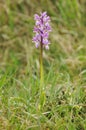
(64, 66)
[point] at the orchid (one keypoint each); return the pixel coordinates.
(41, 30)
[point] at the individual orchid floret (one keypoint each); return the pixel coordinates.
(41, 30)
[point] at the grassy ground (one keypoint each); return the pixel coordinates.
(64, 66)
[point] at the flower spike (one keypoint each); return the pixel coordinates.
(41, 30)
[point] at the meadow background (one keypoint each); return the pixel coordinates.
(64, 66)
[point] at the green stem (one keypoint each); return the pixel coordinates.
(42, 92)
(41, 65)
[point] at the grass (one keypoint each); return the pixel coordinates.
(64, 66)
